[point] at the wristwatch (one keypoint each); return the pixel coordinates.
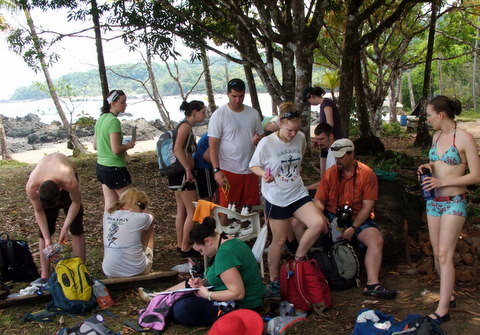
(215, 170)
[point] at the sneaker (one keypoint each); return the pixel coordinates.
(272, 290)
(233, 228)
(40, 282)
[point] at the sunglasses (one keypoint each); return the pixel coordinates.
(291, 115)
(236, 84)
(340, 147)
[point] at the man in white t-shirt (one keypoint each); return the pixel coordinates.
(233, 131)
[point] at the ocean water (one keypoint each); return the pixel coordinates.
(137, 107)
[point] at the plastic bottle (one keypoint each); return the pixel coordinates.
(52, 252)
(104, 299)
(427, 195)
(279, 324)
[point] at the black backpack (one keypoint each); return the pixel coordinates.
(337, 261)
(16, 261)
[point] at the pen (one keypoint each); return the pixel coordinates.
(191, 271)
(268, 172)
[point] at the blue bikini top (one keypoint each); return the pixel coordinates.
(451, 156)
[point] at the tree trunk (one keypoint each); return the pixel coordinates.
(208, 80)
(51, 87)
(3, 141)
(347, 74)
(360, 103)
(474, 74)
(410, 90)
(164, 115)
(394, 93)
(423, 136)
(98, 42)
(252, 88)
(441, 87)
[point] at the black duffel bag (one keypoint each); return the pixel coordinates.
(16, 261)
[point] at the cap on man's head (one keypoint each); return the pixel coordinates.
(340, 147)
(49, 192)
(236, 84)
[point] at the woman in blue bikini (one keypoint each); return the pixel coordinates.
(452, 152)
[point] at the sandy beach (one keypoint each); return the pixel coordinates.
(33, 156)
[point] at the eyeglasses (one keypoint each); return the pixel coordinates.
(114, 95)
(236, 84)
(340, 147)
(291, 115)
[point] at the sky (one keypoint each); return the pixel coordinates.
(77, 54)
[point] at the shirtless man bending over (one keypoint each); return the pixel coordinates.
(53, 185)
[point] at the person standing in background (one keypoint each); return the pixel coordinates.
(328, 113)
(184, 183)
(111, 167)
(233, 132)
(207, 187)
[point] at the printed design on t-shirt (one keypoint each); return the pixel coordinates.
(290, 164)
(112, 230)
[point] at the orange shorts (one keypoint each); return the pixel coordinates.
(244, 190)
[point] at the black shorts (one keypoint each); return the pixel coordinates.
(64, 203)
(177, 183)
(113, 177)
(282, 213)
(207, 186)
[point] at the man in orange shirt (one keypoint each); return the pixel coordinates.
(348, 192)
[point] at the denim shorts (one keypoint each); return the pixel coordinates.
(369, 223)
(113, 177)
(282, 213)
(456, 206)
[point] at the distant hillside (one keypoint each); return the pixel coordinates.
(88, 83)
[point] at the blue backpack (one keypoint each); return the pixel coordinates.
(167, 161)
(413, 324)
(71, 287)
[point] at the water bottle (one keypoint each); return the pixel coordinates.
(52, 252)
(427, 195)
(104, 299)
(279, 324)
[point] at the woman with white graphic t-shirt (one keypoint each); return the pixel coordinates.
(128, 236)
(278, 160)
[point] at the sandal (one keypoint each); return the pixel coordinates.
(453, 301)
(439, 319)
(380, 291)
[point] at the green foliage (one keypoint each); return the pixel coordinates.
(11, 163)
(85, 121)
(393, 161)
(393, 129)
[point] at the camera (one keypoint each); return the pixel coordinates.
(344, 216)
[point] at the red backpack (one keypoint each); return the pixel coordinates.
(304, 285)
